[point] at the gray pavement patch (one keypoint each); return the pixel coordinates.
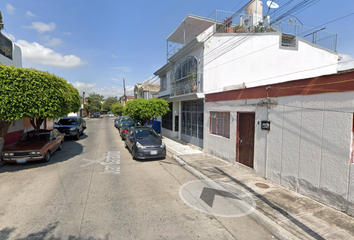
(217, 198)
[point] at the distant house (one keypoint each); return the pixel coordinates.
(123, 99)
(146, 90)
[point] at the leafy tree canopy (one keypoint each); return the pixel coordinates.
(108, 103)
(117, 109)
(94, 104)
(30, 93)
(142, 110)
(33, 94)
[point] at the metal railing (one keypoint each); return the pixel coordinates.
(188, 84)
(316, 36)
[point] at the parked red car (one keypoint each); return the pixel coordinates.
(34, 146)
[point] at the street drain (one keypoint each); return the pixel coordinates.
(262, 185)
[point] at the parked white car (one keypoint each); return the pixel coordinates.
(110, 115)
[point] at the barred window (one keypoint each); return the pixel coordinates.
(220, 124)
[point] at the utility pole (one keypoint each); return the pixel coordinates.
(83, 103)
(125, 96)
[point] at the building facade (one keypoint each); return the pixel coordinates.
(299, 134)
(210, 58)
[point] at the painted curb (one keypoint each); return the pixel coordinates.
(278, 231)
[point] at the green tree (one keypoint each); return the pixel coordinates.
(94, 105)
(33, 94)
(108, 103)
(117, 109)
(142, 110)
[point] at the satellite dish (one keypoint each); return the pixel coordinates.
(272, 4)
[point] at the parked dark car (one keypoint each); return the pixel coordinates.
(125, 127)
(116, 122)
(145, 143)
(122, 120)
(34, 146)
(96, 115)
(71, 126)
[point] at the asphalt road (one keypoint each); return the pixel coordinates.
(93, 189)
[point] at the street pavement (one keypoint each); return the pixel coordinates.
(286, 214)
(92, 189)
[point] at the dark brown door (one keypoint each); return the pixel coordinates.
(245, 138)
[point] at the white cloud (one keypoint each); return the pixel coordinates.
(67, 33)
(106, 92)
(36, 53)
(124, 69)
(51, 41)
(42, 27)
(113, 56)
(10, 9)
(347, 62)
(30, 15)
(9, 36)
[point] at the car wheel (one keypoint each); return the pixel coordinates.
(82, 133)
(78, 136)
(125, 145)
(47, 157)
(60, 146)
(133, 153)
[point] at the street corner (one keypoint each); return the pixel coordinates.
(217, 198)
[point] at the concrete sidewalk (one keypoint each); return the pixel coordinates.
(286, 214)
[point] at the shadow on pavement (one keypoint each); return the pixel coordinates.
(46, 233)
(273, 206)
(71, 148)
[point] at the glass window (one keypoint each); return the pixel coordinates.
(167, 118)
(220, 124)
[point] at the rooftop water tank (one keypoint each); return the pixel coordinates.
(255, 6)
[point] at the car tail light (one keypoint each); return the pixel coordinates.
(125, 130)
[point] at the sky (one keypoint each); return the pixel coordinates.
(95, 44)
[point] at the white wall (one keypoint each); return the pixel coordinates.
(308, 146)
(17, 126)
(225, 148)
(258, 59)
(16, 56)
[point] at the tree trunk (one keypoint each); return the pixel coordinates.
(4, 127)
(36, 124)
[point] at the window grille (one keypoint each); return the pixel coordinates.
(220, 124)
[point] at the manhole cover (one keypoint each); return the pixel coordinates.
(262, 185)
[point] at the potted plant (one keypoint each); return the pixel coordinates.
(227, 24)
(192, 80)
(238, 28)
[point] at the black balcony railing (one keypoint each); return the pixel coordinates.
(5, 46)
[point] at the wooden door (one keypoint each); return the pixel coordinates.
(245, 138)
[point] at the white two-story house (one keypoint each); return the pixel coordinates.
(265, 96)
(231, 51)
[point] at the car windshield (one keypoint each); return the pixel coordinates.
(146, 133)
(67, 122)
(125, 120)
(36, 137)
